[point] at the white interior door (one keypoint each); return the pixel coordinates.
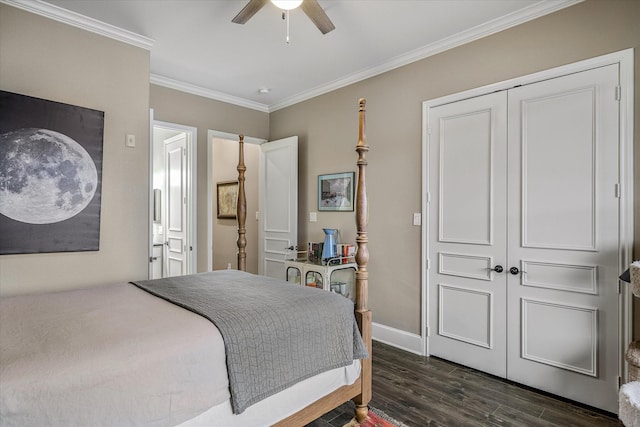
(563, 236)
(278, 222)
(176, 244)
(467, 232)
(543, 204)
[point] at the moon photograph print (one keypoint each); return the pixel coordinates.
(45, 176)
(50, 176)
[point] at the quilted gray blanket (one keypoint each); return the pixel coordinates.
(275, 333)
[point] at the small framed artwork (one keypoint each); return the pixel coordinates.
(335, 192)
(227, 199)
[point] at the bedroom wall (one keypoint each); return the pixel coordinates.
(47, 59)
(205, 114)
(327, 127)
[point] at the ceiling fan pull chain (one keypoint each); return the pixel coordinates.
(287, 26)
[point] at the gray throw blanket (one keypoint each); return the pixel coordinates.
(275, 333)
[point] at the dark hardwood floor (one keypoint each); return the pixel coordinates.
(427, 391)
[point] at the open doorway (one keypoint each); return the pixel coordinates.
(271, 185)
(222, 161)
(173, 189)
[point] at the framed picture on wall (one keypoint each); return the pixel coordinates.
(50, 176)
(227, 199)
(335, 191)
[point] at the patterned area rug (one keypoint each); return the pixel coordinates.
(376, 418)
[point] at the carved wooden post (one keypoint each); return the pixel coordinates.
(241, 209)
(363, 314)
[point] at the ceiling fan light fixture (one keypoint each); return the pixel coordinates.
(287, 4)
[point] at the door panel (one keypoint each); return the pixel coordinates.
(176, 205)
(278, 228)
(558, 167)
(475, 327)
(466, 155)
(563, 235)
(572, 347)
(467, 178)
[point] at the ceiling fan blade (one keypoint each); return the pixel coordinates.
(317, 15)
(249, 10)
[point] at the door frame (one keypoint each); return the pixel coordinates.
(211, 134)
(192, 190)
(625, 60)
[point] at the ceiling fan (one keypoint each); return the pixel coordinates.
(311, 7)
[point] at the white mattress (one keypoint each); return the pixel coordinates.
(281, 405)
(117, 356)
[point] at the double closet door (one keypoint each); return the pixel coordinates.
(523, 235)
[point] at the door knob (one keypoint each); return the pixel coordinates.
(515, 271)
(498, 269)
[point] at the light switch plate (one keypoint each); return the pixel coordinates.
(417, 218)
(130, 140)
(313, 216)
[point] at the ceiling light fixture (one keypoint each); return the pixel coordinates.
(287, 4)
(264, 90)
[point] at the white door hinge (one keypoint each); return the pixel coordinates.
(427, 330)
(428, 264)
(618, 93)
(616, 190)
(428, 197)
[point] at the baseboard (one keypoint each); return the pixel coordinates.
(397, 338)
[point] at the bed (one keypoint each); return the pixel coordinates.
(211, 349)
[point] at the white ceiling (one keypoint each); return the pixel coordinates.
(195, 46)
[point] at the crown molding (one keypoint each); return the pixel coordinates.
(207, 93)
(543, 7)
(65, 16)
(537, 10)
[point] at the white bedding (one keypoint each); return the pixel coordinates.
(117, 356)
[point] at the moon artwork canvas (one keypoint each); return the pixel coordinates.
(50, 176)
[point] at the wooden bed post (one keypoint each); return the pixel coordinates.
(241, 209)
(363, 314)
(359, 391)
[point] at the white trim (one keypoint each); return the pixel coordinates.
(192, 184)
(397, 338)
(500, 24)
(625, 59)
(207, 93)
(211, 134)
(65, 16)
(626, 200)
(151, 200)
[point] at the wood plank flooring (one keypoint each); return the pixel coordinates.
(427, 391)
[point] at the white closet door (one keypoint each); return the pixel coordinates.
(467, 232)
(530, 184)
(563, 228)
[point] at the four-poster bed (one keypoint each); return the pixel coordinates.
(147, 352)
